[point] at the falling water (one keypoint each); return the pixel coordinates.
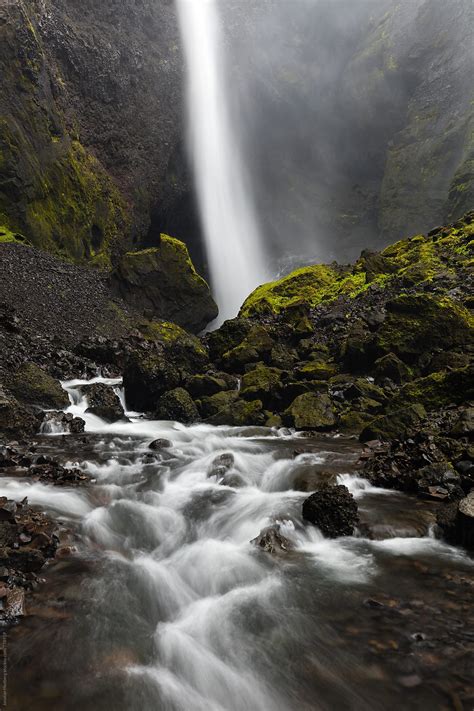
(233, 242)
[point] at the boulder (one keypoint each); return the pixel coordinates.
(390, 366)
(177, 405)
(271, 540)
(397, 423)
(103, 402)
(261, 384)
(333, 510)
(310, 411)
(15, 420)
(162, 282)
(62, 422)
(31, 385)
(167, 359)
(456, 520)
(419, 323)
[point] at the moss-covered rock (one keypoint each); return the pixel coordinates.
(33, 386)
(417, 323)
(176, 405)
(162, 282)
(391, 367)
(397, 424)
(310, 411)
(206, 385)
(215, 404)
(171, 357)
(237, 412)
(315, 370)
(261, 384)
(438, 390)
(15, 419)
(256, 346)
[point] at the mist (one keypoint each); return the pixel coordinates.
(335, 102)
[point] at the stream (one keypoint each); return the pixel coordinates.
(167, 605)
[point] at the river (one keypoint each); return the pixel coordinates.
(167, 605)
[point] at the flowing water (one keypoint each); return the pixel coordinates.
(236, 257)
(167, 605)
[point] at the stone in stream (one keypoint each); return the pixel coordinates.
(158, 444)
(54, 422)
(333, 510)
(456, 520)
(221, 465)
(271, 541)
(103, 402)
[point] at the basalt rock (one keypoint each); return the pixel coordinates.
(103, 402)
(161, 282)
(333, 510)
(310, 411)
(30, 384)
(176, 405)
(457, 521)
(62, 422)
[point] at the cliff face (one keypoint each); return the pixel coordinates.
(359, 122)
(361, 119)
(90, 137)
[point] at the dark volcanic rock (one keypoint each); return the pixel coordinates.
(103, 402)
(163, 283)
(333, 510)
(271, 540)
(457, 521)
(176, 405)
(55, 422)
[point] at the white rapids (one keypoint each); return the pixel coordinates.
(222, 621)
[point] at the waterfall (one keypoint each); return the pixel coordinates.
(233, 241)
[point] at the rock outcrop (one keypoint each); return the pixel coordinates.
(161, 282)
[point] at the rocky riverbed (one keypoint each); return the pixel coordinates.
(305, 468)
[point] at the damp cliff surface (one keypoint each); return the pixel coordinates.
(359, 123)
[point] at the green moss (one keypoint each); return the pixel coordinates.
(419, 323)
(79, 213)
(33, 386)
(170, 334)
(310, 411)
(9, 237)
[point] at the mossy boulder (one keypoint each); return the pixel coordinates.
(256, 346)
(261, 384)
(177, 405)
(315, 370)
(207, 384)
(417, 323)
(214, 404)
(394, 425)
(162, 282)
(15, 419)
(239, 413)
(227, 337)
(438, 390)
(391, 367)
(31, 385)
(168, 358)
(310, 411)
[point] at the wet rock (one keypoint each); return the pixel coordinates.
(457, 521)
(221, 464)
(62, 422)
(103, 402)
(163, 282)
(271, 540)
(233, 480)
(30, 384)
(310, 411)
(177, 405)
(396, 424)
(158, 444)
(15, 419)
(390, 366)
(333, 510)
(206, 385)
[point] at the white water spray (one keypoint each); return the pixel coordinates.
(233, 242)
